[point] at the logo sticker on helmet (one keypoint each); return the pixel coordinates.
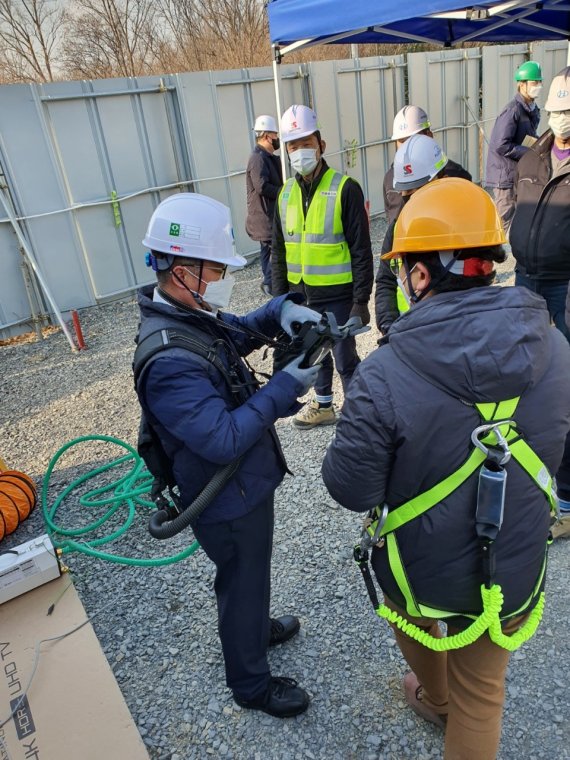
(174, 230)
(408, 169)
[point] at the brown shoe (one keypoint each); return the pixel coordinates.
(561, 528)
(313, 415)
(413, 693)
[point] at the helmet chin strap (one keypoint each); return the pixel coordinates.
(195, 295)
(415, 297)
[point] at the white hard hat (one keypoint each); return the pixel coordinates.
(265, 124)
(409, 121)
(417, 162)
(194, 226)
(298, 121)
(559, 92)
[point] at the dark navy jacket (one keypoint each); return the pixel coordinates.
(197, 419)
(406, 425)
(513, 124)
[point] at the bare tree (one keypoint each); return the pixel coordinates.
(214, 34)
(111, 38)
(30, 34)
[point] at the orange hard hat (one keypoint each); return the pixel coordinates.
(445, 215)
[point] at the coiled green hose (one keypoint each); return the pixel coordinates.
(126, 491)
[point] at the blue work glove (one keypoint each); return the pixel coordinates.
(354, 327)
(306, 377)
(292, 313)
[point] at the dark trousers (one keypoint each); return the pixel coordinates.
(265, 259)
(554, 293)
(241, 550)
(346, 359)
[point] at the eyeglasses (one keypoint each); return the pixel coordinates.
(221, 271)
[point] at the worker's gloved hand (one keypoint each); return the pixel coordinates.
(293, 314)
(360, 310)
(306, 377)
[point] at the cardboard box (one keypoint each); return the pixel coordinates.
(74, 709)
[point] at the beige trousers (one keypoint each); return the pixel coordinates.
(467, 685)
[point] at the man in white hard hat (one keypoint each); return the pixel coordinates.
(418, 160)
(410, 120)
(513, 132)
(540, 232)
(321, 247)
(208, 411)
(263, 179)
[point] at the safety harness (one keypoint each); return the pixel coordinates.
(173, 516)
(495, 442)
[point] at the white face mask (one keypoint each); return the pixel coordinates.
(402, 286)
(534, 90)
(304, 160)
(218, 293)
(559, 123)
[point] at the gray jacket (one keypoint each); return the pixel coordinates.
(263, 180)
(406, 425)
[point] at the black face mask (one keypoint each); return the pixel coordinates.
(276, 142)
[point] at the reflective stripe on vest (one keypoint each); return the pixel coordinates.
(315, 247)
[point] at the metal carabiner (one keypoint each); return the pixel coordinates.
(501, 440)
(367, 540)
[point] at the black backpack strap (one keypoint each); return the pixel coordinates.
(170, 337)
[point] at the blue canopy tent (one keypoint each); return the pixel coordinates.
(297, 24)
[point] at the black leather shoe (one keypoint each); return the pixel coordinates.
(282, 699)
(283, 629)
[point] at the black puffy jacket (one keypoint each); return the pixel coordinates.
(406, 425)
(540, 232)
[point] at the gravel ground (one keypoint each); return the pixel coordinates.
(157, 625)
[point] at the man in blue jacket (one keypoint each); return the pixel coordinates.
(518, 120)
(205, 421)
(412, 443)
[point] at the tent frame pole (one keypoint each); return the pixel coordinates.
(279, 106)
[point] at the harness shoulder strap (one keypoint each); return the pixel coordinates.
(168, 338)
(420, 504)
(500, 429)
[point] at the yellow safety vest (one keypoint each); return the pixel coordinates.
(316, 250)
(403, 305)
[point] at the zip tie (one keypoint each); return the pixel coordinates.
(115, 206)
